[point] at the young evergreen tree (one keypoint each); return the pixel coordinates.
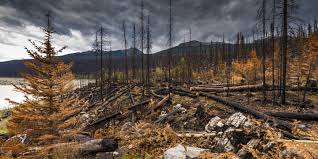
(47, 85)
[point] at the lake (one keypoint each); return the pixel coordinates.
(7, 90)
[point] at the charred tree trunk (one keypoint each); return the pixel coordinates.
(263, 48)
(273, 51)
(101, 64)
(284, 55)
(134, 54)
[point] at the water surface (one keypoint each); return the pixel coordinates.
(8, 91)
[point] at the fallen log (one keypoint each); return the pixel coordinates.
(181, 90)
(191, 95)
(104, 119)
(196, 134)
(139, 104)
(294, 115)
(98, 145)
(302, 88)
(71, 115)
(280, 123)
(298, 141)
(159, 104)
(156, 95)
(257, 87)
(165, 117)
(89, 147)
(115, 97)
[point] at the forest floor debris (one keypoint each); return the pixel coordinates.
(154, 126)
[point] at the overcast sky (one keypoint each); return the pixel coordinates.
(76, 21)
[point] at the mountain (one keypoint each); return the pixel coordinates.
(83, 62)
(195, 47)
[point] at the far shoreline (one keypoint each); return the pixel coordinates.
(11, 81)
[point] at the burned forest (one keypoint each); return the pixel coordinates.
(234, 94)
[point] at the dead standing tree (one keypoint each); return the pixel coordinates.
(262, 16)
(110, 60)
(284, 49)
(101, 63)
(96, 47)
(288, 7)
(142, 44)
(273, 49)
(170, 40)
(126, 56)
(133, 59)
(189, 56)
(104, 46)
(148, 55)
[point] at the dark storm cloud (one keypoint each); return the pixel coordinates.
(209, 19)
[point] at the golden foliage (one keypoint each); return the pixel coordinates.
(247, 69)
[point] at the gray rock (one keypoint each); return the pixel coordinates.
(236, 120)
(214, 124)
(179, 107)
(183, 152)
(194, 152)
(178, 152)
